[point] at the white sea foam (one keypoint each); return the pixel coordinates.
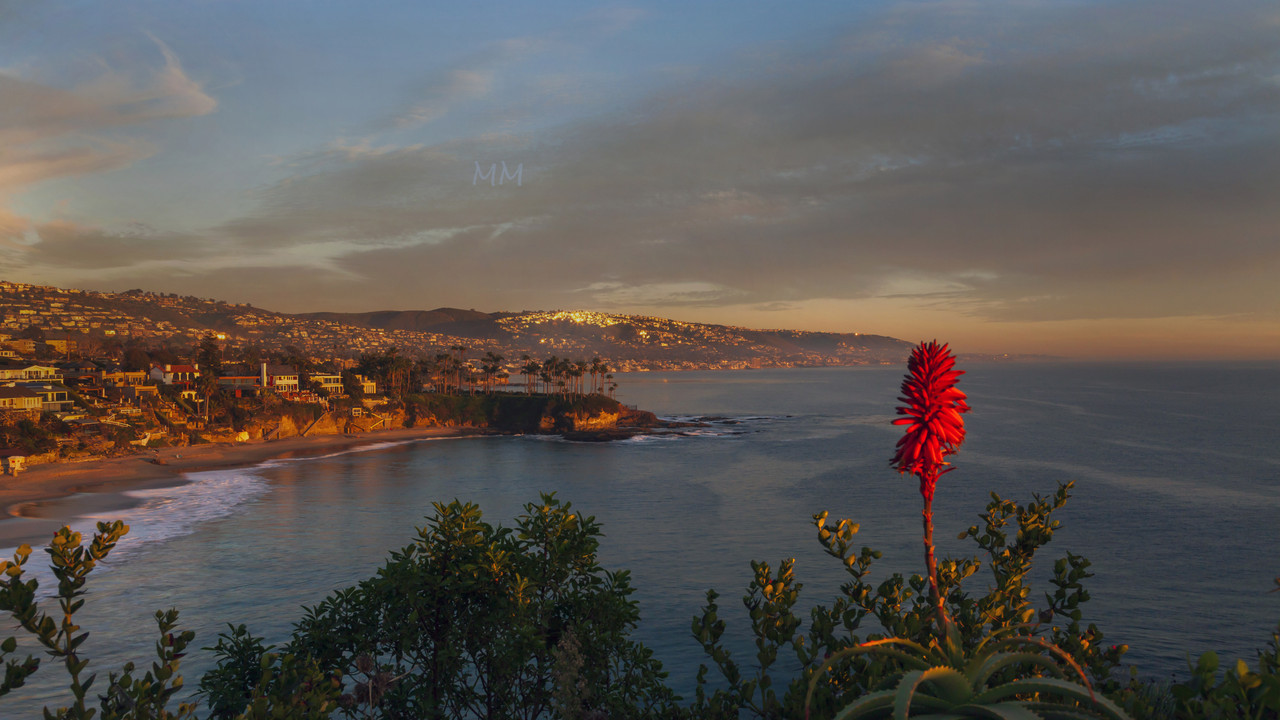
(165, 513)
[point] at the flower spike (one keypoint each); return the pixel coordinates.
(935, 428)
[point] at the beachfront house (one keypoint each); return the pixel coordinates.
(17, 398)
(53, 398)
(241, 385)
(280, 378)
(331, 384)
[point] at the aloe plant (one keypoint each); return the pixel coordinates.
(943, 681)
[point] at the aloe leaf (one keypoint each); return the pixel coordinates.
(994, 664)
(950, 684)
(944, 679)
(905, 693)
(1055, 651)
(864, 705)
(1053, 686)
(863, 649)
(1000, 711)
(1049, 711)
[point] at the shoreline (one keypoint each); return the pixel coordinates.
(45, 497)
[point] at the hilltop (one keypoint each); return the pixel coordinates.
(627, 342)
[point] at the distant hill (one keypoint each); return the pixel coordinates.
(419, 320)
(626, 342)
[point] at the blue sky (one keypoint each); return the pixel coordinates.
(1076, 178)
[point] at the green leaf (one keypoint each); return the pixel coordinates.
(1052, 686)
(1000, 711)
(865, 705)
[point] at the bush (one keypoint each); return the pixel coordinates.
(470, 620)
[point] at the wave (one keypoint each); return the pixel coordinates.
(165, 513)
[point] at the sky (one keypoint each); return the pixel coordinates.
(1081, 179)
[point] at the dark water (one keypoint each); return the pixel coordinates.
(1177, 503)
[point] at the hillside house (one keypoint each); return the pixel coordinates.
(53, 398)
(116, 378)
(30, 373)
(181, 375)
(13, 397)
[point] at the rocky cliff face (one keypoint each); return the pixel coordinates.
(334, 424)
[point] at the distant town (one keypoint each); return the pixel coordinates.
(86, 374)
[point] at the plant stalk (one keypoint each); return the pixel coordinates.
(931, 562)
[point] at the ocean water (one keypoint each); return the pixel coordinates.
(1176, 503)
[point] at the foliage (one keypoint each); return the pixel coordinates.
(465, 622)
(127, 696)
(504, 411)
(228, 687)
(897, 607)
(209, 356)
(945, 680)
(1242, 693)
(33, 436)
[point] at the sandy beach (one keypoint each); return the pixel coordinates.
(45, 497)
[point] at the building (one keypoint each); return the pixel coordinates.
(329, 383)
(241, 385)
(280, 378)
(182, 375)
(30, 373)
(13, 397)
(53, 398)
(116, 378)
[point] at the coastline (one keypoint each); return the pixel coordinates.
(45, 497)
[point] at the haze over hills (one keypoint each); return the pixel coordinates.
(626, 342)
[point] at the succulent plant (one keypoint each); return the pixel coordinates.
(944, 681)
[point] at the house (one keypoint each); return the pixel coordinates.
(54, 398)
(62, 346)
(367, 386)
(241, 385)
(80, 373)
(280, 378)
(23, 345)
(330, 383)
(13, 397)
(134, 393)
(116, 378)
(30, 373)
(183, 375)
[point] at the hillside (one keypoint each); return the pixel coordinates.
(626, 342)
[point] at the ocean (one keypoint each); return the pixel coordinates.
(1176, 502)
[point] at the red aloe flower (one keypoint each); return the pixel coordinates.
(935, 428)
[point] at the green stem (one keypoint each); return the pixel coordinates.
(931, 564)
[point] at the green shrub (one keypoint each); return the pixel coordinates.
(466, 622)
(896, 607)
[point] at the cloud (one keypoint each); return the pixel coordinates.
(491, 67)
(49, 132)
(34, 113)
(1020, 162)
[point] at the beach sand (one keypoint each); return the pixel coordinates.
(43, 498)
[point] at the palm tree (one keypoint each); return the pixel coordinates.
(491, 367)
(529, 370)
